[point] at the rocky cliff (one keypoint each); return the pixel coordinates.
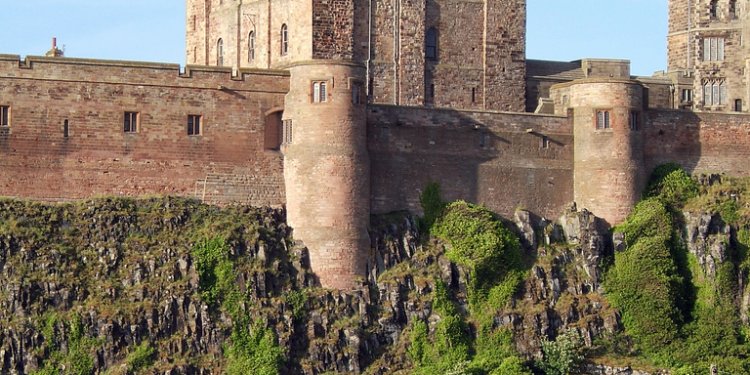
(134, 286)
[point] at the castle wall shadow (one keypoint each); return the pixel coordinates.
(502, 160)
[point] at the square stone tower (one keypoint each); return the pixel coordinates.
(705, 43)
(440, 53)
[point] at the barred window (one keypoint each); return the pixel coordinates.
(284, 40)
(130, 123)
(287, 132)
(194, 125)
(319, 92)
(602, 119)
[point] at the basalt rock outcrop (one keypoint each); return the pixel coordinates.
(124, 271)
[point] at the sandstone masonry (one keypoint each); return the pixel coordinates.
(338, 109)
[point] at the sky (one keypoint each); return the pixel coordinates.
(154, 30)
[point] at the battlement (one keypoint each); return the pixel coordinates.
(143, 73)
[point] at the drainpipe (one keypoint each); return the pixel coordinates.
(205, 31)
(369, 47)
(690, 34)
(239, 35)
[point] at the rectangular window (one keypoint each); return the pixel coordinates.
(287, 132)
(713, 49)
(602, 119)
(356, 92)
(130, 124)
(194, 125)
(319, 92)
(4, 115)
(545, 141)
(687, 95)
(715, 92)
(635, 120)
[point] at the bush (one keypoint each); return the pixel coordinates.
(479, 242)
(645, 286)
(672, 185)
(562, 355)
(649, 218)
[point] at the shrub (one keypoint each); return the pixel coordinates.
(479, 242)
(645, 286)
(672, 185)
(562, 355)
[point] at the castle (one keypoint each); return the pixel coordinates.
(342, 109)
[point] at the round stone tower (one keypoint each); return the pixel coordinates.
(609, 174)
(326, 164)
(326, 168)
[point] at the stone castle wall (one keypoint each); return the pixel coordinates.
(228, 162)
(700, 142)
(497, 159)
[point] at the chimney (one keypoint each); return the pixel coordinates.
(54, 52)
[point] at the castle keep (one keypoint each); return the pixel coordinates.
(341, 109)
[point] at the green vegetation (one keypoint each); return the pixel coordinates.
(479, 242)
(563, 355)
(678, 315)
(77, 359)
(432, 205)
(252, 348)
(141, 357)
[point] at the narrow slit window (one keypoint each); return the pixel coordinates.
(284, 40)
(356, 92)
(4, 115)
(130, 124)
(713, 8)
(251, 46)
(635, 120)
(220, 52)
(65, 129)
(431, 44)
(473, 95)
(194, 125)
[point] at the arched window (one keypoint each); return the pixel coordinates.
(431, 44)
(220, 52)
(251, 46)
(713, 8)
(284, 40)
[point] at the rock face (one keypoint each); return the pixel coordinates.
(563, 289)
(127, 272)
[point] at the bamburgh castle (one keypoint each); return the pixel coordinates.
(342, 109)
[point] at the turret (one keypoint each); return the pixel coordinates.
(326, 165)
(608, 162)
